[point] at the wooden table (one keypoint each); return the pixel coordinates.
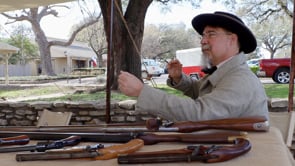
(268, 149)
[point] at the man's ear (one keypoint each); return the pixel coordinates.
(234, 39)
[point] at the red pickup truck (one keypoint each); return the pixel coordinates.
(278, 69)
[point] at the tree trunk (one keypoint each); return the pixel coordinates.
(100, 60)
(125, 49)
(34, 17)
(45, 55)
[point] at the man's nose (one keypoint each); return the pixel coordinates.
(203, 41)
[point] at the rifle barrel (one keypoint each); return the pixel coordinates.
(85, 137)
(18, 149)
(147, 137)
(241, 124)
(54, 156)
(43, 146)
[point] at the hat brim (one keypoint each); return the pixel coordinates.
(246, 38)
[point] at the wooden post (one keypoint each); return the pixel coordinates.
(110, 52)
(292, 69)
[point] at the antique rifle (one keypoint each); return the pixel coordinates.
(207, 154)
(241, 124)
(43, 146)
(149, 138)
(15, 140)
(94, 153)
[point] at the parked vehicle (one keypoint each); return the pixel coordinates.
(253, 62)
(191, 62)
(151, 67)
(278, 69)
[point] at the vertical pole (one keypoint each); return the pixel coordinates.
(6, 69)
(68, 65)
(108, 84)
(292, 69)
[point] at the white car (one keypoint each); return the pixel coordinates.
(253, 62)
(151, 67)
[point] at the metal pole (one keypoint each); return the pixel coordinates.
(6, 69)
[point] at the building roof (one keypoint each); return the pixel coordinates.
(11, 5)
(75, 50)
(6, 48)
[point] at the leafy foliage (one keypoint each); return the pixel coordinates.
(28, 50)
(21, 37)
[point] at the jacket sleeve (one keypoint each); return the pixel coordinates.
(189, 87)
(227, 100)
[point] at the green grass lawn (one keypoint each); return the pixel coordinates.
(277, 90)
(272, 91)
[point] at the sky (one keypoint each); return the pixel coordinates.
(181, 13)
(60, 27)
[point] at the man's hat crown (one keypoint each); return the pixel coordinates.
(229, 22)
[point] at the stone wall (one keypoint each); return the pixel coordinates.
(86, 113)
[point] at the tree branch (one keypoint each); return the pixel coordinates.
(75, 32)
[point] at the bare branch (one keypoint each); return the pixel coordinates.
(14, 18)
(285, 8)
(71, 39)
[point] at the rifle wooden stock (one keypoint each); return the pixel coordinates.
(100, 154)
(217, 137)
(16, 140)
(201, 153)
(241, 124)
(115, 150)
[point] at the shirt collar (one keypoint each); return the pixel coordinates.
(223, 62)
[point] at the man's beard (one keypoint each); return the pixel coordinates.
(205, 58)
(205, 61)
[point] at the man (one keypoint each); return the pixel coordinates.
(229, 90)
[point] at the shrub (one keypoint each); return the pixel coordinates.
(254, 69)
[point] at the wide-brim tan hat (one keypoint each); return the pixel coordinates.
(229, 22)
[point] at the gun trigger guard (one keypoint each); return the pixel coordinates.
(195, 150)
(211, 149)
(167, 123)
(203, 153)
(90, 148)
(136, 134)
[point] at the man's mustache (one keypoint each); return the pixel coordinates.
(205, 47)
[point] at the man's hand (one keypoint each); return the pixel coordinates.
(129, 84)
(175, 70)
